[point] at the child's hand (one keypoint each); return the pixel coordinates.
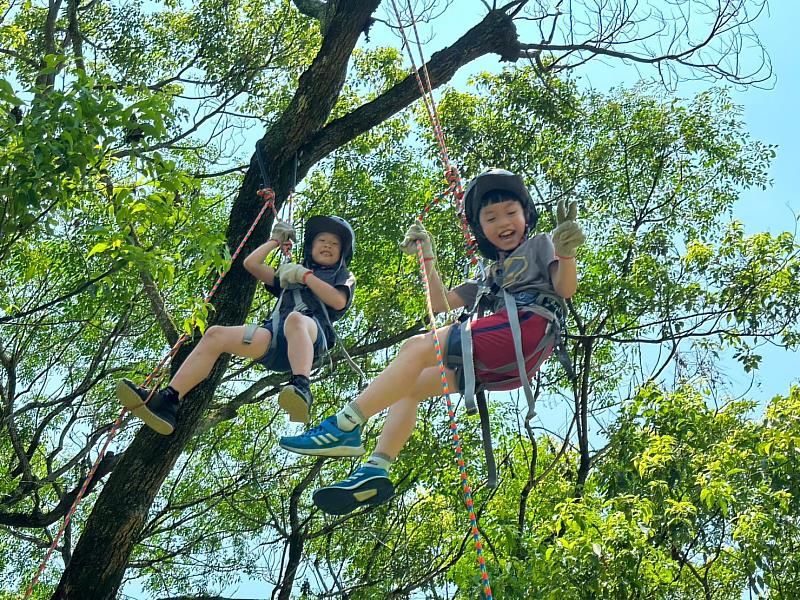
(414, 233)
(283, 232)
(568, 235)
(290, 273)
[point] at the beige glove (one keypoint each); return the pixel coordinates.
(283, 232)
(567, 235)
(291, 273)
(417, 232)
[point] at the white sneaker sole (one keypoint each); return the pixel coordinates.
(131, 400)
(337, 451)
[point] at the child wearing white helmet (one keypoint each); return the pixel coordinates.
(311, 296)
(534, 274)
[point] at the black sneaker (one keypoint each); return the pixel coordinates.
(295, 398)
(158, 414)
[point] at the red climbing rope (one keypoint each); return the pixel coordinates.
(155, 377)
(456, 191)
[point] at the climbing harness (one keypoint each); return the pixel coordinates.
(313, 226)
(548, 306)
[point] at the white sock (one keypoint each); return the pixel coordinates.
(350, 417)
(380, 460)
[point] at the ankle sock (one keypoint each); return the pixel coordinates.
(380, 460)
(171, 393)
(349, 417)
(300, 381)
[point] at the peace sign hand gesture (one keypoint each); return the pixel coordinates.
(567, 235)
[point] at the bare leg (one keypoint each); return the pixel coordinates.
(301, 333)
(217, 340)
(392, 385)
(402, 416)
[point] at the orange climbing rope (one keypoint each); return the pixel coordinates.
(155, 377)
(455, 190)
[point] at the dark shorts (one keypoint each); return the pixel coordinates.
(493, 349)
(277, 359)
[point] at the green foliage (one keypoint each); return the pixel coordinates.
(110, 176)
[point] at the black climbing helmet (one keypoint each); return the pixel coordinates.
(322, 224)
(489, 181)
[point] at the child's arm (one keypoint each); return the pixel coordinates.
(564, 275)
(254, 263)
(442, 299)
(331, 296)
(293, 274)
(282, 233)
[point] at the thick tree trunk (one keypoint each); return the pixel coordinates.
(101, 555)
(120, 512)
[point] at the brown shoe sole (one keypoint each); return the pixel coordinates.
(294, 404)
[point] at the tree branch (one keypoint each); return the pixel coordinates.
(39, 519)
(156, 300)
(496, 33)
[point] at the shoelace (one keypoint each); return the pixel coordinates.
(315, 430)
(320, 429)
(356, 474)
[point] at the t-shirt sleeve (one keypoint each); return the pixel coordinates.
(546, 254)
(348, 288)
(467, 291)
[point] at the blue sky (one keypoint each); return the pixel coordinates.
(772, 116)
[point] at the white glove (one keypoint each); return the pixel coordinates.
(283, 232)
(416, 232)
(291, 273)
(568, 235)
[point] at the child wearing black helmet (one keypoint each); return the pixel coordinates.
(311, 296)
(532, 274)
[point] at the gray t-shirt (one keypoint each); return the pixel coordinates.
(526, 269)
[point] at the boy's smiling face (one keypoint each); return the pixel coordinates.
(326, 249)
(503, 224)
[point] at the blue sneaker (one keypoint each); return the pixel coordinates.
(325, 440)
(367, 486)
